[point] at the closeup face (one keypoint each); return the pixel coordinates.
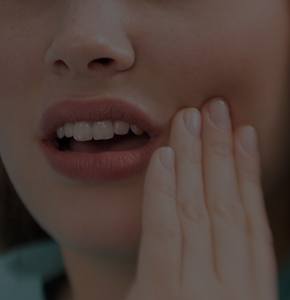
(165, 55)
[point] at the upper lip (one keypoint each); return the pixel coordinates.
(98, 109)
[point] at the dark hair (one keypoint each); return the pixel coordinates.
(17, 226)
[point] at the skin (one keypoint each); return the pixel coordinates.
(234, 49)
(192, 245)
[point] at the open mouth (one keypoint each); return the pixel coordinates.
(117, 143)
(96, 160)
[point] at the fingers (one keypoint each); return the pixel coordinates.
(231, 241)
(159, 256)
(264, 262)
(197, 253)
(204, 221)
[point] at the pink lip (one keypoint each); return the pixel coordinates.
(104, 166)
(109, 165)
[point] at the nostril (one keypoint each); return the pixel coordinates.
(104, 61)
(60, 64)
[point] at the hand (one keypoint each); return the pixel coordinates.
(205, 233)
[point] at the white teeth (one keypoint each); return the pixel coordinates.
(60, 132)
(136, 130)
(82, 132)
(69, 130)
(121, 127)
(101, 130)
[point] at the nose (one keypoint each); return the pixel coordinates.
(91, 42)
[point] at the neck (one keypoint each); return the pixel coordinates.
(100, 276)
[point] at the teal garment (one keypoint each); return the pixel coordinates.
(26, 270)
(284, 281)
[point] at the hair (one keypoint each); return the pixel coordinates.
(17, 226)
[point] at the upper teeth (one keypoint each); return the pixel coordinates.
(86, 131)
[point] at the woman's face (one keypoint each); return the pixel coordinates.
(167, 55)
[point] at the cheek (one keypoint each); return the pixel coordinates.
(21, 62)
(22, 76)
(240, 54)
(27, 28)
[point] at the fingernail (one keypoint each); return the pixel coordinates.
(167, 157)
(192, 121)
(248, 139)
(219, 114)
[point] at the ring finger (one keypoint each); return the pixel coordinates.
(229, 223)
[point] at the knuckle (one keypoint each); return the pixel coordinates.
(160, 189)
(250, 172)
(229, 211)
(220, 148)
(194, 153)
(192, 212)
(167, 191)
(164, 232)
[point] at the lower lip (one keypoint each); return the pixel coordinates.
(103, 166)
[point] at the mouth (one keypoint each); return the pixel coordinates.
(98, 139)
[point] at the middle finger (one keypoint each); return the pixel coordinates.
(197, 255)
